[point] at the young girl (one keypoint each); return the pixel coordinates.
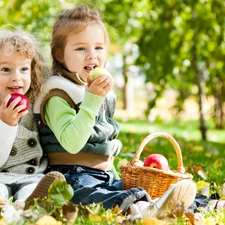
(77, 131)
(21, 163)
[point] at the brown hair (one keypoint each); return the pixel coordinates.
(72, 21)
(24, 43)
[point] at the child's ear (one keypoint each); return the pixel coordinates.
(59, 56)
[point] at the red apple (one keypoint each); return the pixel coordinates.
(157, 161)
(24, 101)
(97, 72)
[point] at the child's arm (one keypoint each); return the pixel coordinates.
(7, 137)
(9, 118)
(70, 128)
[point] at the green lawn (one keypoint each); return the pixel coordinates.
(204, 160)
(207, 156)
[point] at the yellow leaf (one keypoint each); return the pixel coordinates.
(201, 184)
(95, 218)
(152, 221)
(109, 215)
(195, 218)
(122, 162)
(210, 221)
(198, 148)
(148, 149)
(117, 210)
(208, 155)
(132, 129)
(2, 202)
(48, 220)
(2, 221)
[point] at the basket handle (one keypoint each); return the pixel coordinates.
(136, 157)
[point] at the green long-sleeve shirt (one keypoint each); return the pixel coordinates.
(71, 129)
(79, 128)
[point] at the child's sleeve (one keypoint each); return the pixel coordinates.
(7, 137)
(72, 129)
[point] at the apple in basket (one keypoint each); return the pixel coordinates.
(24, 101)
(97, 72)
(157, 161)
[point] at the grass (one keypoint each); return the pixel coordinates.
(205, 160)
(207, 156)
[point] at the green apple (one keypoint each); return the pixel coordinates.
(97, 72)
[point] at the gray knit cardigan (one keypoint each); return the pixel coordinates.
(26, 162)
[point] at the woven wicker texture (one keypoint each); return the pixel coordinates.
(154, 181)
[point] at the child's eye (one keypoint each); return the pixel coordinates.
(24, 69)
(80, 49)
(5, 69)
(99, 48)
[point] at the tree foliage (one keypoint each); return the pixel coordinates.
(180, 43)
(185, 50)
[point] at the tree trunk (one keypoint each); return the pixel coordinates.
(201, 95)
(202, 98)
(128, 92)
(125, 83)
(218, 107)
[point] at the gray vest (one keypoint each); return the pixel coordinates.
(102, 144)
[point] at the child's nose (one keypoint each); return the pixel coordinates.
(91, 55)
(16, 75)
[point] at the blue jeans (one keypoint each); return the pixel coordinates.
(96, 186)
(199, 202)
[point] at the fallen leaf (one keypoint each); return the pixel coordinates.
(48, 220)
(95, 218)
(122, 162)
(198, 148)
(2, 202)
(2, 221)
(153, 221)
(121, 219)
(202, 174)
(201, 184)
(195, 218)
(222, 195)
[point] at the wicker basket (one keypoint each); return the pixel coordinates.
(154, 181)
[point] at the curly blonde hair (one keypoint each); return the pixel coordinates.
(24, 43)
(72, 21)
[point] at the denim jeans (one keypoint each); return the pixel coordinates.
(96, 186)
(199, 202)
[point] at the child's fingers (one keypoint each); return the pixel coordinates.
(13, 104)
(6, 100)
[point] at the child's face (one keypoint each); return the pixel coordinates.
(15, 74)
(85, 50)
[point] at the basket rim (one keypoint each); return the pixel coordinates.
(146, 169)
(180, 167)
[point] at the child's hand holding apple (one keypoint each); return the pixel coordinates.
(97, 72)
(100, 81)
(13, 107)
(24, 101)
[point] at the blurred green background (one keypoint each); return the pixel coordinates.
(167, 56)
